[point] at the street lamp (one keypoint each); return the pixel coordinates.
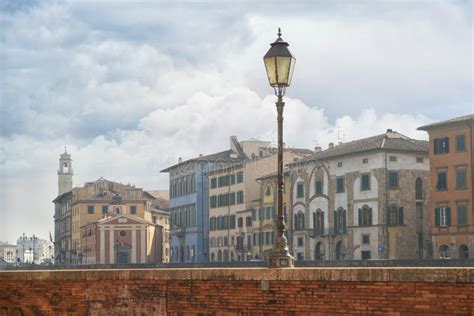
(279, 64)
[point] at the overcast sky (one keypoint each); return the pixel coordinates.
(129, 88)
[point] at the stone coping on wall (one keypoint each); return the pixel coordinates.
(398, 274)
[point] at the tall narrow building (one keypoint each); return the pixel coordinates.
(65, 173)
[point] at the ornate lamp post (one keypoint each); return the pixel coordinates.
(279, 64)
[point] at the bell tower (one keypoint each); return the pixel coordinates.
(65, 173)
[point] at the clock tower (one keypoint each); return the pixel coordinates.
(65, 173)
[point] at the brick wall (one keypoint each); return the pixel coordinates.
(234, 290)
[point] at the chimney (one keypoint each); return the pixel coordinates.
(389, 130)
(317, 149)
(331, 145)
(180, 160)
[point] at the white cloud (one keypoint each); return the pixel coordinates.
(130, 89)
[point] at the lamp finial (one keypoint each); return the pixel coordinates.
(279, 33)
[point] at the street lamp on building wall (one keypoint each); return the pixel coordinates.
(279, 64)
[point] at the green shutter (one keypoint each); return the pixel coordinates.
(437, 217)
(360, 217)
(400, 216)
(335, 222)
(370, 216)
(448, 216)
(388, 216)
(344, 222)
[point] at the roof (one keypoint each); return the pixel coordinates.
(224, 156)
(457, 120)
(160, 194)
(388, 141)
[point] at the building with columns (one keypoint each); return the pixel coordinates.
(451, 210)
(364, 199)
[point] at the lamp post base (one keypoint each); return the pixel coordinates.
(281, 261)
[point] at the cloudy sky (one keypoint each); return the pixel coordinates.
(129, 88)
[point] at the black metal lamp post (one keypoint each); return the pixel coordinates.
(279, 64)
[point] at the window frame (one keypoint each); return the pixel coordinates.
(343, 187)
(390, 185)
(362, 187)
(463, 136)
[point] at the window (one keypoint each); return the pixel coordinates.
(340, 221)
(240, 197)
(366, 239)
(365, 216)
(240, 177)
(365, 160)
(418, 189)
(443, 216)
(232, 179)
(300, 256)
(300, 242)
(462, 214)
(339, 164)
(365, 182)
(299, 190)
(441, 145)
(104, 209)
(392, 179)
(232, 222)
(133, 209)
(299, 221)
(419, 159)
(90, 209)
(319, 187)
(268, 212)
(267, 238)
(223, 181)
(213, 201)
(212, 224)
(213, 183)
(366, 255)
(442, 180)
(123, 233)
(254, 214)
(319, 251)
(268, 191)
(395, 216)
(460, 143)
(232, 198)
(318, 222)
(443, 252)
(393, 158)
(248, 221)
(240, 222)
(340, 185)
(153, 219)
(461, 178)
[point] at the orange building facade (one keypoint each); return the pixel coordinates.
(452, 181)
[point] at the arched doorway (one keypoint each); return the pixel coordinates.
(463, 252)
(443, 252)
(319, 251)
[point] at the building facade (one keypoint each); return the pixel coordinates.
(189, 203)
(34, 250)
(122, 239)
(80, 206)
(365, 199)
(241, 216)
(8, 252)
(451, 146)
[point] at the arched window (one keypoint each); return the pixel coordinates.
(231, 256)
(213, 257)
(394, 215)
(443, 252)
(299, 220)
(219, 256)
(418, 189)
(226, 255)
(188, 253)
(319, 251)
(463, 252)
(318, 222)
(268, 191)
(340, 221)
(365, 216)
(65, 168)
(339, 251)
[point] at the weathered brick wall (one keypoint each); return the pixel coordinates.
(430, 291)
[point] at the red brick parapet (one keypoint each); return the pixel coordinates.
(240, 290)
